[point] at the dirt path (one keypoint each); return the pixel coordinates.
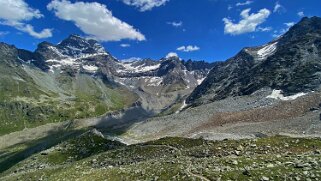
(196, 175)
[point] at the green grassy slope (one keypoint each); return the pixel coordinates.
(30, 97)
(90, 157)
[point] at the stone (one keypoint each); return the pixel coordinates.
(236, 152)
(270, 165)
(240, 148)
(246, 172)
(265, 178)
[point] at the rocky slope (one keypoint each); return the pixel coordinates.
(161, 84)
(292, 63)
(270, 89)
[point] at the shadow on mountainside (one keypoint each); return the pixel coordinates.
(118, 123)
(112, 124)
(36, 146)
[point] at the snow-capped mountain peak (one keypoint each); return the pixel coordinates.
(77, 47)
(73, 52)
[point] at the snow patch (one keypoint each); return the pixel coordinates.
(267, 51)
(128, 67)
(74, 62)
(277, 94)
(56, 51)
(90, 68)
(199, 81)
(182, 107)
(155, 81)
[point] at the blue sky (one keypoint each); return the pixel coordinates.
(194, 29)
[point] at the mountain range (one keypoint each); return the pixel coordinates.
(77, 79)
(72, 108)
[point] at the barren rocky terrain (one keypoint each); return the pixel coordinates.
(236, 117)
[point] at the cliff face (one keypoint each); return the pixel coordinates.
(291, 63)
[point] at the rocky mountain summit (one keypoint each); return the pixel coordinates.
(290, 63)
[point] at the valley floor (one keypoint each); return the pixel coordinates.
(91, 157)
(185, 146)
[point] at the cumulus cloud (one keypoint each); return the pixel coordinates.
(245, 3)
(175, 24)
(171, 54)
(15, 13)
(145, 5)
(188, 48)
(95, 20)
(301, 14)
(247, 24)
(125, 45)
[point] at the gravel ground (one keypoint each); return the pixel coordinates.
(303, 122)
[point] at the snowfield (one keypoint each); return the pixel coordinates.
(128, 67)
(90, 68)
(267, 51)
(277, 94)
(155, 81)
(74, 62)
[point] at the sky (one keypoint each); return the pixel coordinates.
(210, 30)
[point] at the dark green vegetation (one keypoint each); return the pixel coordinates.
(90, 156)
(30, 97)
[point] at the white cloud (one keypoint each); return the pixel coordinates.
(188, 48)
(277, 7)
(95, 20)
(229, 7)
(145, 5)
(125, 45)
(289, 24)
(17, 10)
(15, 13)
(247, 24)
(278, 33)
(264, 29)
(171, 54)
(245, 3)
(176, 24)
(301, 14)
(132, 59)
(3, 33)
